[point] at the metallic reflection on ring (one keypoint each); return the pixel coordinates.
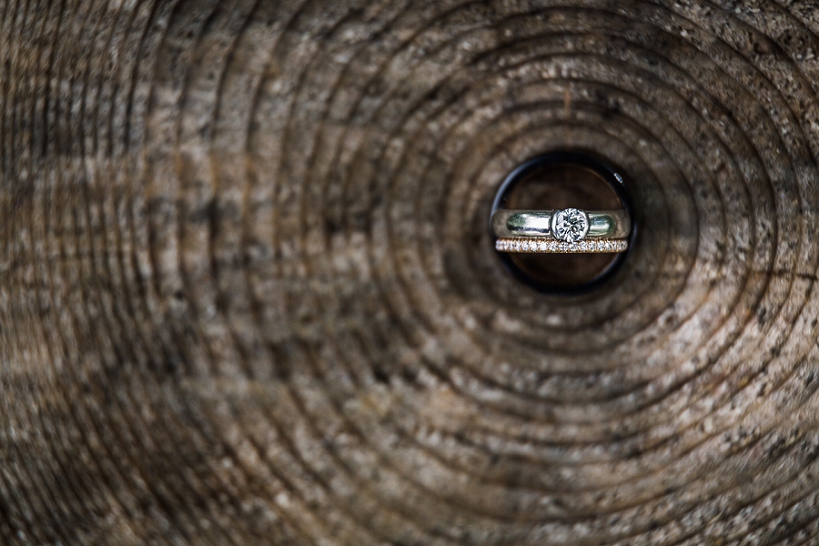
(567, 225)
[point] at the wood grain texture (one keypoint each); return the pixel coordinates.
(247, 293)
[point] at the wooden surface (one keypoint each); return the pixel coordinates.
(247, 294)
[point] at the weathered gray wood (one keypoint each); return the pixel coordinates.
(247, 294)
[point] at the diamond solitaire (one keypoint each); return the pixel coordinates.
(570, 225)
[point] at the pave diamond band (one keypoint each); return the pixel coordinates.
(547, 245)
(570, 225)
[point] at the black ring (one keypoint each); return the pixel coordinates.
(610, 175)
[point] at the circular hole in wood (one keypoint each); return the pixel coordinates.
(561, 180)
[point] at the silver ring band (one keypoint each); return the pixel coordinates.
(610, 224)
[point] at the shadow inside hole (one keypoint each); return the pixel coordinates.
(556, 181)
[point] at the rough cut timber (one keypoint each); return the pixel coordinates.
(248, 296)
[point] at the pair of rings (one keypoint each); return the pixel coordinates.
(562, 231)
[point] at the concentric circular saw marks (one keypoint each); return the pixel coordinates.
(211, 440)
(214, 328)
(28, 479)
(55, 479)
(313, 523)
(268, 289)
(262, 437)
(564, 331)
(25, 481)
(199, 486)
(83, 220)
(338, 522)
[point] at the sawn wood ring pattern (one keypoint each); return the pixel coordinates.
(248, 294)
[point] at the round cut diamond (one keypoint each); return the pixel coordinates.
(570, 225)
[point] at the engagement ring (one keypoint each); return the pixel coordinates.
(568, 230)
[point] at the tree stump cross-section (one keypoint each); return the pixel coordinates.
(248, 294)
